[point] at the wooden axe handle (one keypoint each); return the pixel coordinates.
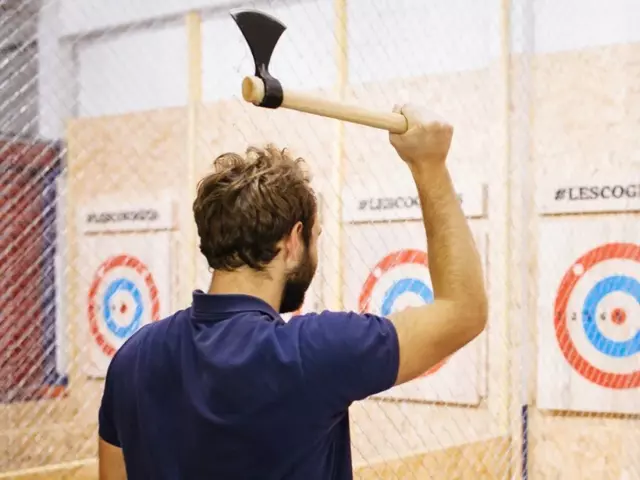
(253, 92)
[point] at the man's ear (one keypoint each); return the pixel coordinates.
(293, 243)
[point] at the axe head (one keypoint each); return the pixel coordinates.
(262, 32)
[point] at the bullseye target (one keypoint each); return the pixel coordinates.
(123, 296)
(597, 316)
(588, 315)
(396, 282)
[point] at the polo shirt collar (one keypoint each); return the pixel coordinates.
(207, 305)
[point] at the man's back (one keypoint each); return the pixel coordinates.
(227, 390)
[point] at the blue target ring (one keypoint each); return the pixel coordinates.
(406, 285)
(122, 285)
(600, 290)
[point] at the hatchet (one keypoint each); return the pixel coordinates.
(262, 32)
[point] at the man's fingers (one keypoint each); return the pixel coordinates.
(397, 108)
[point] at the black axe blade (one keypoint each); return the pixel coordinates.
(262, 32)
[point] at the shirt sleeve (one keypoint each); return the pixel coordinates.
(106, 419)
(347, 356)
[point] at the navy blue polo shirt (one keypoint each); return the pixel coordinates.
(227, 390)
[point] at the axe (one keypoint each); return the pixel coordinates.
(262, 32)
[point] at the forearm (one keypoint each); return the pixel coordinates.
(454, 263)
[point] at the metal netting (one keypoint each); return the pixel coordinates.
(110, 112)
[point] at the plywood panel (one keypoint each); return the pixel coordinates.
(585, 447)
(586, 119)
(63, 443)
(587, 113)
(468, 100)
(123, 156)
(232, 125)
(478, 460)
(73, 472)
(142, 152)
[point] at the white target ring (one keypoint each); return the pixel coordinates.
(123, 296)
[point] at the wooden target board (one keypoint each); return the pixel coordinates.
(589, 314)
(386, 270)
(126, 274)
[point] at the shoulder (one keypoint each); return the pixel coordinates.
(343, 336)
(141, 340)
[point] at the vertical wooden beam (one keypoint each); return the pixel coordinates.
(505, 412)
(517, 17)
(338, 174)
(522, 219)
(194, 100)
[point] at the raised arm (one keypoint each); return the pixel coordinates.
(430, 333)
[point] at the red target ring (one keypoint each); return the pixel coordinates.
(610, 251)
(125, 261)
(390, 261)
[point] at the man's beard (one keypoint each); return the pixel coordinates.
(297, 284)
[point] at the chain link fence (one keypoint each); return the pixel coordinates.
(110, 112)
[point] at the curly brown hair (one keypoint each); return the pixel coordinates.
(250, 203)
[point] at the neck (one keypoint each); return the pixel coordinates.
(247, 282)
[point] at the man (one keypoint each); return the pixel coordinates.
(225, 389)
